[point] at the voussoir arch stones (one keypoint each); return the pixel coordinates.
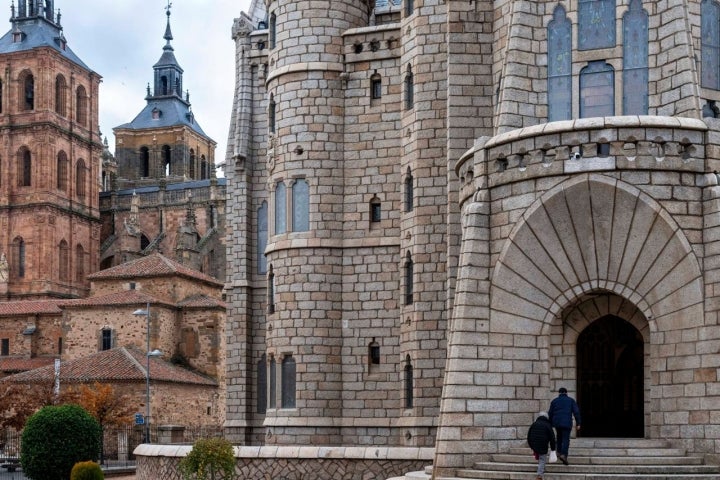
(595, 233)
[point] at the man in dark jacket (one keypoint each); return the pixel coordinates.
(561, 413)
(539, 436)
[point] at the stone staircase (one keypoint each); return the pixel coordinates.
(592, 459)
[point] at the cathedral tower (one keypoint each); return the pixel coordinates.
(49, 158)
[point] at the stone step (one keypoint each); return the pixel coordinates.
(493, 475)
(627, 468)
(576, 451)
(613, 460)
(607, 442)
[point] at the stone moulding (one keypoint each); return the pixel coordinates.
(585, 145)
(293, 462)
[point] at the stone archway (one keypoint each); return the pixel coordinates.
(610, 379)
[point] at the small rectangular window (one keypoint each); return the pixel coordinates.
(106, 339)
(5, 347)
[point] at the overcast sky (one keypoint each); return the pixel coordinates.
(122, 39)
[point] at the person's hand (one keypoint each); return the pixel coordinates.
(577, 428)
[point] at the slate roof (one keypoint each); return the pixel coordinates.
(154, 265)
(38, 33)
(383, 4)
(122, 364)
(173, 112)
(192, 184)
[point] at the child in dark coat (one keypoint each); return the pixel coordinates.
(539, 436)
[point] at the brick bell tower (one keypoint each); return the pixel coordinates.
(50, 152)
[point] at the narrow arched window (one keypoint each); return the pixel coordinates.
(107, 338)
(288, 382)
(409, 7)
(262, 237)
(409, 193)
(27, 101)
(144, 162)
(375, 212)
(1, 96)
(280, 208)
(271, 114)
(597, 90)
(81, 105)
(24, 162)
(375, 86)
(559, 66)
(409, 381)
(79, 264)
(144, 241)
(596, 24)
(166, 160)
(635, 60)
(273, 383)
(204, 170)
(409, 274)
(80, 178)
(409, 89)
(163, 85)
(17, 267)
(64, 261)
(191, 170)
(60, 95)
(62, 171)
(270, 291)
(373, 356)
(301, 206)
(262, 384)
(710, 44)
(60, 346)
(272, 34)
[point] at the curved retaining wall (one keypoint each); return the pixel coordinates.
(293, 462)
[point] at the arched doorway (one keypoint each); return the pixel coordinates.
(610, 379)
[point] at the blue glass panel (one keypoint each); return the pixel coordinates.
(596, 24)
(301, 206)
(559, 66)
(635, 60)
(262, 237)
(280, 209)
(710, 32)
(597, 90)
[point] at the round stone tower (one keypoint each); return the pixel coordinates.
(305, 164)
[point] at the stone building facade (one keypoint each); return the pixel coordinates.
(49, 160)
(439, 217)
(160, 190)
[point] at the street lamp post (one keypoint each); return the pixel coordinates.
(148, 354)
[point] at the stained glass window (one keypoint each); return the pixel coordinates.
(596, 24)
(635, 60)
(597, 90)
(710, 33)
(559, 66)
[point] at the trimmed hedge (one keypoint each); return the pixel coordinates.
(55, 438)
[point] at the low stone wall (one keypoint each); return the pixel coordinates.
(294, 463)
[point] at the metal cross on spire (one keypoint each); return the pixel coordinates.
(167, 9)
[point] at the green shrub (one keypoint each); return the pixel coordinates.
(209, 459)
(87, 471)
(55, 438)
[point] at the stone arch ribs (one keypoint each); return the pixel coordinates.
(595, 233)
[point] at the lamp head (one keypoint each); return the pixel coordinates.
(140, 311)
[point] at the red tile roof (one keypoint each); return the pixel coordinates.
(116, 299)
(31, 307)
(154, 265)
(202, 301)
(15, 364)
(116, 365)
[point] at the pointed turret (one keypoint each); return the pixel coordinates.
(168, 73)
